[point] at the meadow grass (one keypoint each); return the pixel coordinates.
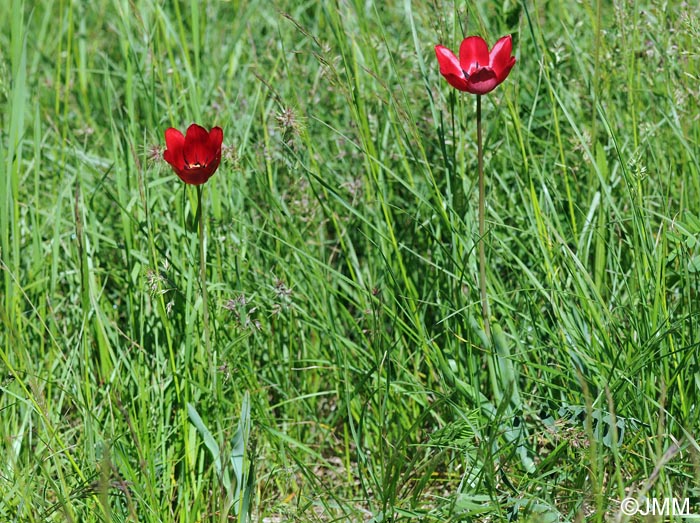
(349, 376)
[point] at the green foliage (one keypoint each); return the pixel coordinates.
(349, 376)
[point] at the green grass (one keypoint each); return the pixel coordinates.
(349, 377)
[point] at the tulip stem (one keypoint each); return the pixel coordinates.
(203, 268)
(482, 225)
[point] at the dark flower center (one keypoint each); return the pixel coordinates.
(466, 75)
(193, 165)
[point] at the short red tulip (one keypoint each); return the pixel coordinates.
(195, 157)
(477, 71)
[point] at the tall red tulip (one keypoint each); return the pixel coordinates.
(195, 157)
(477, 71)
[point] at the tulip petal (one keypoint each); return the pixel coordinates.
(197, 176)
(503, 73)
(500, 59)
(449, 65)
(173, 138)
(473, 53)
(196, 145)
(450, 68)
(175, 146)
(216, 138)
(482, 81)
(457, 82)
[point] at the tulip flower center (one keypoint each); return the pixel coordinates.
(475, 68)
(195, 165)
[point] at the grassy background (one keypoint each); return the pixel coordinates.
(349, 377)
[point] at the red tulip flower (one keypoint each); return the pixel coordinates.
(477, 71)
(195, 157)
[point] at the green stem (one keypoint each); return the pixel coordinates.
(482, 225)
(203, 269)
